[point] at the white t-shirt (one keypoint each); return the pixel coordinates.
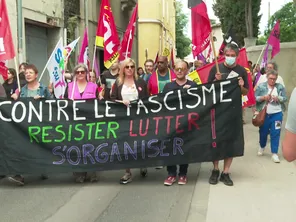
(263, 78)
(291, 118)
(129, 93)
(273, 107)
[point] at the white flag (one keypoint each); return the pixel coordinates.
(56, 69)
(69, 48)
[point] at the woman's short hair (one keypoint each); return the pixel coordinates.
(33, 67)
(272, 72)
(80, 65)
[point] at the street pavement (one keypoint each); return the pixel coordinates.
(263, 191)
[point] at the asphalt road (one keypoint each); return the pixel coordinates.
(59, 199)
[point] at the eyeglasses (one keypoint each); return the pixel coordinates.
(80, 72)
(179, 69)
(273, 79)
(129, 67)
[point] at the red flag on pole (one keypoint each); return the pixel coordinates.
(201, 28)
(274, 39)
(6, 42)
(127, 41)
(107, 36)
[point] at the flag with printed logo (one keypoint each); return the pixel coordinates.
(107, 36)
(128, 38)
(69, 48)
(56, 68)
(6, 42)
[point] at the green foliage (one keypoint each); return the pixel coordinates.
(287, 17)
(182, 41)
(232, 12)
(261, 40)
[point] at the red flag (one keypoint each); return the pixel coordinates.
(201, 28)
(172, 60)
(6, 43)
(3, 71)
(249, 99)
(107, 36)
(241, 60)
(127, 41)
(274, 39)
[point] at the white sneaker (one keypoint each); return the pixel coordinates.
(261, 151)
(275, 158)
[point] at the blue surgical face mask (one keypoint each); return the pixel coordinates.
(230, 60)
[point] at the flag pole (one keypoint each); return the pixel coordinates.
(128, 44)
(17, 76)
(93, 63)
(94, 57)
(261, 54)
(214, 51)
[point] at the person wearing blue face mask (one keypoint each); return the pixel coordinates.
(228, 69)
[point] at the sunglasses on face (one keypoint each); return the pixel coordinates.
(129, 67)
(179, 69)
(80, 72)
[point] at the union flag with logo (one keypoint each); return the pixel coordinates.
(107, 36)
(6, 43)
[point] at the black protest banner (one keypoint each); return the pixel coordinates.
(55, 136)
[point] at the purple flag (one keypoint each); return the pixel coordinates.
(274, 39)
(265, 58)
(201, 57)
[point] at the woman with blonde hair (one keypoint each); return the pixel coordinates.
(129, 87)
(80, 88)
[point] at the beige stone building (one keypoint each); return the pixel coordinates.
(37, 26)
(157, 23)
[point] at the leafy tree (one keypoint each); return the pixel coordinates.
(182, 41)
(237, 13)
(261, 40)
(287, 17)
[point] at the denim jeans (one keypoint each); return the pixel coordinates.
(172, 170)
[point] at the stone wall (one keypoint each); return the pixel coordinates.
(286, 61)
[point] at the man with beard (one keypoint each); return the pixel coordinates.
(148, 70)
(160, 77)
(228, 69)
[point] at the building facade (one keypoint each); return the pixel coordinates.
(37, 26)
(156, 25)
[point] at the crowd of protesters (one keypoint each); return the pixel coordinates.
(124, 82)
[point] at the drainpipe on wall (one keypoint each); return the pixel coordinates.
(20, 30)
